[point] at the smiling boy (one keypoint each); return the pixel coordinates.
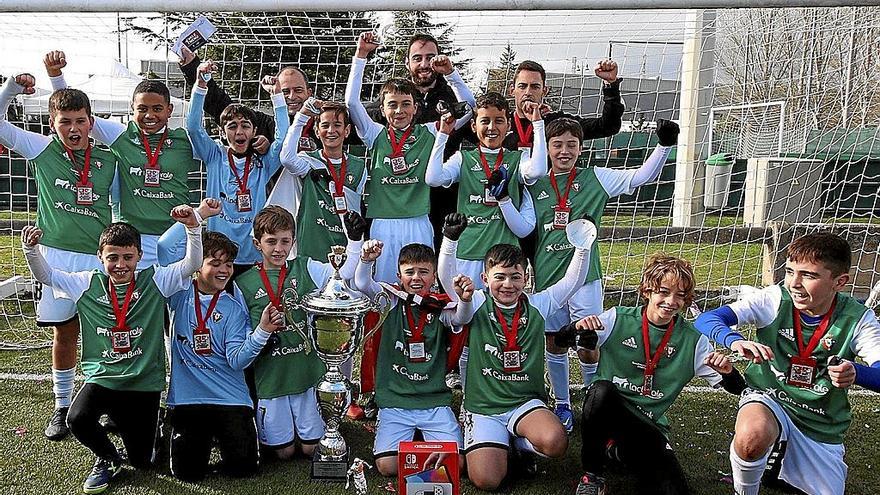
(121, 313)
(796, 412)
(236, 173)
(398, 195)
(73, 179)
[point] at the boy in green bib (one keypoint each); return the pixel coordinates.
(154, 160)
(122, 316)
(504, 399)
(288, 369)
(397, 196)
(649, 354)
(333, 181)
(73, 178)
(792, 420)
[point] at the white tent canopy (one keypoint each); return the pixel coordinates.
(110, 94)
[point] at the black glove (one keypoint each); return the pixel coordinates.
(570, 334)
(355, 225)
(667, 132)
(319, 174)
(453, 225)
(497, 184)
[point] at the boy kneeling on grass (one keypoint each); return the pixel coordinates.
(505, 398)
(792, 420)
(649, 354)
(122, 318)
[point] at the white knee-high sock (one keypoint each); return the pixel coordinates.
(747, 474)
(557, 367)
(462, 366)
(588, 371)
(62, 386)
(523, 444)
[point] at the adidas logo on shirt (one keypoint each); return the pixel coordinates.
(630, 342)
(543, 195)
(260, 293)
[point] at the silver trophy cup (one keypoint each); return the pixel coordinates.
(335, 326)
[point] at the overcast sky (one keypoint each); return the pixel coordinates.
(563, 41)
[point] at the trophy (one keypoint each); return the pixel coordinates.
(335, 326)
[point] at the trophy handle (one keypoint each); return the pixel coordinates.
(382, 304)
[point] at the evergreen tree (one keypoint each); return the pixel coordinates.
(501, 77)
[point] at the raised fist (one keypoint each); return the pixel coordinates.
(355, 225)
(464, 287)
(441, 64)
(27, 83)
(209, 207)
(367, 43)
(371, 250)
(667, 132)
(270, 85)
(447, 123)
(497, 184)
(204, 71)
(606, 70)
(453, 225)
(185, 215)
(30, 235)
(54, 62)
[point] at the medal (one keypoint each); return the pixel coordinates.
(337, 194)
(416, 342)
(488, 199)
(120, 334)
(152, 170)
(83, 185)
(511, 357)
(243, 195)
(398, 162)
(561, 212)
(202, 334)
(652, 361)
(802, 368)
(525, 135)
(275, 296)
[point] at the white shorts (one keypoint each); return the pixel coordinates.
(396, 233)
(149, 247)
(495, 430)
(283, 420)
(803, 456)
(52, 310)
(399, 425)
(473, 269)
(588, 300)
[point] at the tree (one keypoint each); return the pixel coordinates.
(248, 46)
(501, 76)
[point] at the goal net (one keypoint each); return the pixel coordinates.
(797, 85)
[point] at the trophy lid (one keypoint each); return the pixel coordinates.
(336, 296)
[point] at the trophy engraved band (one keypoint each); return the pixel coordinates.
(335, 326)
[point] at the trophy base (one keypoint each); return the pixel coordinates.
(329, 470)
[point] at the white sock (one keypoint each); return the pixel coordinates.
(588, 371)
(522, 443)
(557, 367)
(62, 386)
(747, 475)
(462, 366)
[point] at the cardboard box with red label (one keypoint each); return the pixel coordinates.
(416, 476)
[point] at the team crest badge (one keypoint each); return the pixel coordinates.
(349, 178)
(576, 186)
(828, 342)
(217, 316)
(294, 283)
(168, 143)
(670, 351)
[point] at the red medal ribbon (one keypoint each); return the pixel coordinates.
(243, 179)
(153, 157)
(524, 135)
(200, 321)
(274, 296)
(804, 352)
(562, 201)
(337, 178)
(510, 331)
(120, 313)
(397, 146)
(417, 330)
(651, 362)
(485, 164)
(84, 171)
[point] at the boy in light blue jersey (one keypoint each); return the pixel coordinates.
(236, 174)
(211, 345)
